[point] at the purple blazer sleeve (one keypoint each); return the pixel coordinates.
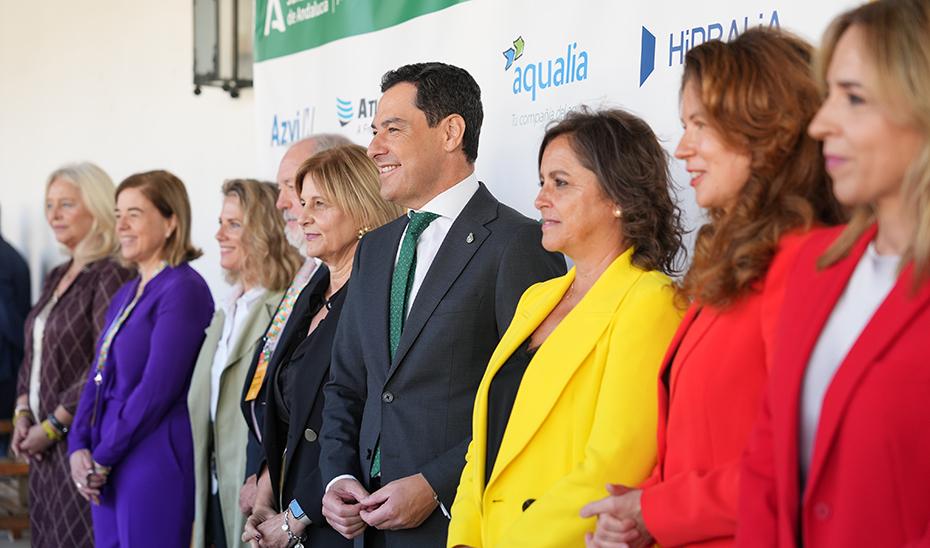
(182, 315)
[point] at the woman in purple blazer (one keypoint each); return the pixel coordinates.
(131, 447)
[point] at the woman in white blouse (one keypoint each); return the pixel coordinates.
(260, 264)
(839, 455)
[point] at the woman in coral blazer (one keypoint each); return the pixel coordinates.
(839, 455)
(567, 403)
(714, 373)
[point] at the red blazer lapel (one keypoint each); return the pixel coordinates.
(892, 316)
(684, 347)
(811, 297)
(663, 389)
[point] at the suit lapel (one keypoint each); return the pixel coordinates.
(696, 330)
(562, 354)
(664, 389)
(381, 286)
(456, 251)
(253, 328)
(522, 326)
(312, 372)
(893, 315)
(803, 323)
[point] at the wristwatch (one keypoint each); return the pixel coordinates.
(299, 513)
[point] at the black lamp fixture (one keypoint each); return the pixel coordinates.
(223, 45)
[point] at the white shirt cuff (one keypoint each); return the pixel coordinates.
(337, 478)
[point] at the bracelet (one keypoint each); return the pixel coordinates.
(50, 431)
(100, 469)
(57, 423)
(292, 539)
(23, 412)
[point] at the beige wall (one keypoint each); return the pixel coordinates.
(110, 81)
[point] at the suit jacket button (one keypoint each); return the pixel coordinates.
(387, 397)
(822, 511)
(527, 503)
(310, 435)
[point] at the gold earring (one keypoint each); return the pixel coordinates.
(362, 231)
(617, 213)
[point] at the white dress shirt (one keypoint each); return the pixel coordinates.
(236, 308)
(448, 205)
(868, 286)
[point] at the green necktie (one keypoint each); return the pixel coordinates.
(401, 283)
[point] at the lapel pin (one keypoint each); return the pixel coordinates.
(470, 238)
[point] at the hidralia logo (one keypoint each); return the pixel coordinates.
(286, 130)
(346, 113)
(536, 77)
(681, 41)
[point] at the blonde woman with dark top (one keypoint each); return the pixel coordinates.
(61, 332)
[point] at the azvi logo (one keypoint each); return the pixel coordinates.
(535, 77)
(287, 129)
(681, 41)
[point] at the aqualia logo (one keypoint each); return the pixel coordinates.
(681, 41)
(533, 78)
(347, 113)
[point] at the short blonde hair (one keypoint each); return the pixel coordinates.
(168, 195)
(346, 176)
(269, 258)
(896, 39)
(96, 191)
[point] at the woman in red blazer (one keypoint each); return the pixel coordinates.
(840, 453)
(762, 180)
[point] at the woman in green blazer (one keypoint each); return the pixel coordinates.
(568, 403)
(260, 263)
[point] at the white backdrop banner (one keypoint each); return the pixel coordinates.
(319, 64)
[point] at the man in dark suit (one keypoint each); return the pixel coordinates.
(15, 300)
(432, 293)
(253, 393)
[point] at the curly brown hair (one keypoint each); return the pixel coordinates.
(632, 169)
(760, 95)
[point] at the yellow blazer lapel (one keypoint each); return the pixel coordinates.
(526, 319)
(560, 356)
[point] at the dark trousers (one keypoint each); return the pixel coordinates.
(216, 532)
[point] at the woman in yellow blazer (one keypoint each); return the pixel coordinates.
(568, 404)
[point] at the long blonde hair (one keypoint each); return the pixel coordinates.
(897, 38)
(96, 190)
(269, 259)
